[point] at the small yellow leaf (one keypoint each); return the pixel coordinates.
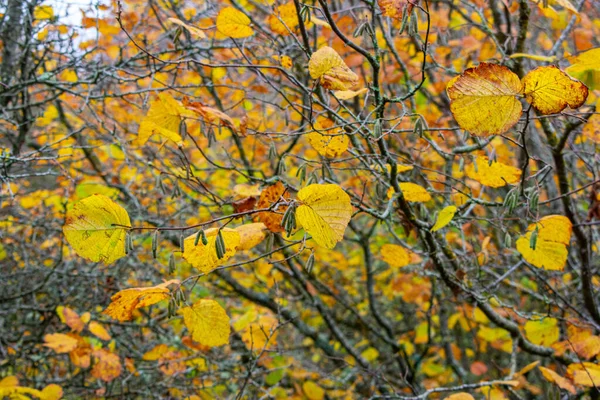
(349, 94)
(558, 380)
(207, 322)
(326, 65)
(126, 301)
(585, 373)
(444, 218)
(245, 190)
(164, 118)
(493, 175)
(313, 391)
(483, 99)
(550, 90)
(204, 257)
(51, 392)
(412, 192)
(71, 318)
(586, 67)
(395, 255)
(544, 332)
(325, 213)
(330, 143)
(98, 330)
(251, 235)
(234, 23)
(96, 228)
(60, 342)
(43, 12)
(554, 234)
(190, 28)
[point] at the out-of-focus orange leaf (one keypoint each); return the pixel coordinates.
(107, 365)
(190, 28)
(60, 343)
(561, 382)
(269, 196)
(126, 301)
(98, 330)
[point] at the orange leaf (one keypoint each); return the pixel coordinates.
(124, 302)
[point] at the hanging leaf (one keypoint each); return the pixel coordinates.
(325, 213)
(204, 256)
(96, 228)
(284, 19)
(444, 218)
(553, 237)
(483, 99)
(395, 255)
(494, 174)
(234, 23)
(251, 235)
(207, 322)
(126, 301)
(107, 365)
(326, 65)
(586, 67)
(163, 118)
(550, 90)
(584, 373)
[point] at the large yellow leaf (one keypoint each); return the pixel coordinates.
(96, 228)
(550, 90)
(444, 218)
(204, 256)
(483, 99)
(544, 332)
(164, 118)
(124, 302)
(328, 142)
(325, 213)
(284, 19)
(585, 373)
(251, 235)
(395, 255)
(586, 67)
(60, 343)
(554, 234)
(326, 65)
(558, 380)
(207, 322)
(234, 23)
(493, 174)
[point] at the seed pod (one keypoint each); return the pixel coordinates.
(203, 236)
(160, 184)
(197, 238)
(313, 178)
(154, 243)
(181, 242)
(171, 263)
(359, 31)
(413, 27)
(171, 308)
(269, 243)
(404, 21)
(533, 238)
(182, 129)
(127, 242)
(507, 240)
(461, 164)
(533, 201)
(310, 263)
(301, 174)
(220, 245)
(272, 151)
(377, 132)
(419, 127)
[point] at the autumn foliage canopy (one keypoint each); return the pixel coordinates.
(299, 199)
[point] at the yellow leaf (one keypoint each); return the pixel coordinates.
(164, 118)
(246, 190)
(207, 322)
(558, 380)
(190, 28)
(370, 354)
(43, 12)
(554, 234)
(585, 373)
(460, 396)
(544, 332)
(550, 90)
(483, 99)
(251, 235)
(60, 342)
(586, 67)
(444, 218)
(51, 392)
(326, 65)
(349, 94)
(396, 256)
(493, 175)
(98, 330)
(107, 366)
(71, 318)
(412, 192)
(204, 257)
(156, 352)
(325, 213)
(234, 23)
(124, 302)
(96, 228)
(313, 391)
(284, 19)
(330, 143)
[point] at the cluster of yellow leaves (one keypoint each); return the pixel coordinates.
(484, 99)
(163, 118)
(329, 68)
(553, 237)
(96, 228)
(9, 388)
(493, 174)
